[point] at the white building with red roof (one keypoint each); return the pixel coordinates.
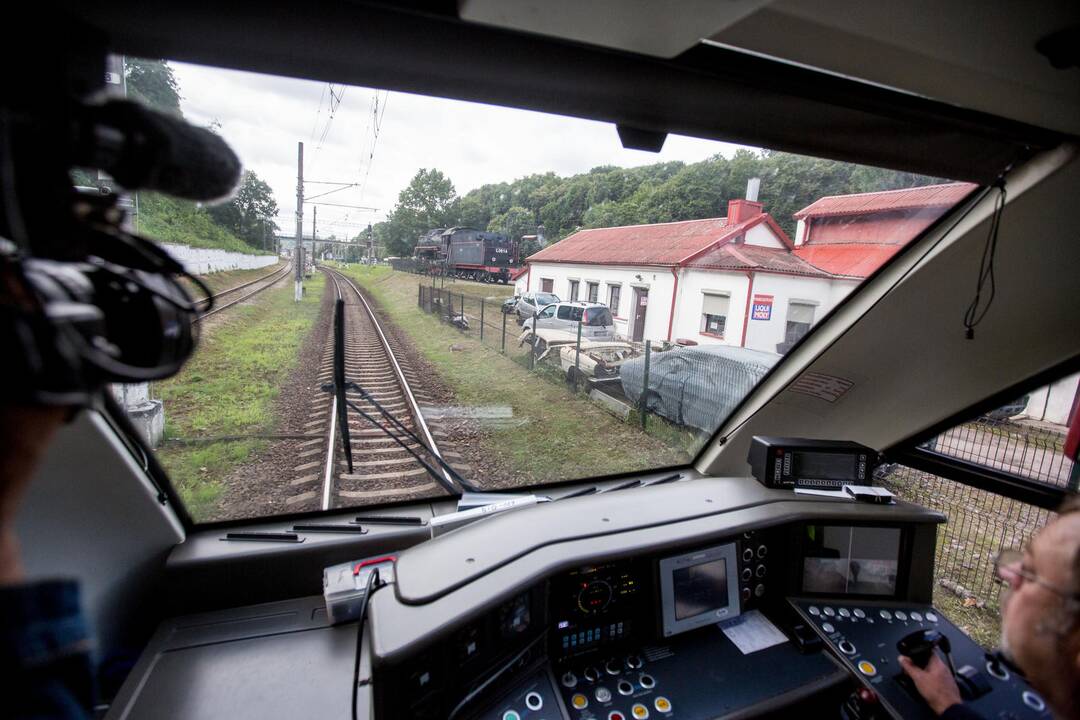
(737, 280)
(732, 280)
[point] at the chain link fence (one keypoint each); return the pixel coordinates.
(980, 523)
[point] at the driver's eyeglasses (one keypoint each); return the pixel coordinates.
(1009, 568)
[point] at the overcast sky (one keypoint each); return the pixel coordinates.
(263, 117)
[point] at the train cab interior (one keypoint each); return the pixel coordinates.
(707, 589)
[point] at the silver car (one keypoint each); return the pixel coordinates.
(531, 302)
(595, 320)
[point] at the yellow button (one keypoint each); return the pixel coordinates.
(867, 668)
(579, 701)
(662, 704)
(639, 711)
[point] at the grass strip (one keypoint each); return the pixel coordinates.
(229, 388)
(564, 435)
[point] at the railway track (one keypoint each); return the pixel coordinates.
(267, 281)
(382, 470)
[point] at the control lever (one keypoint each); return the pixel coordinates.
(920, 644)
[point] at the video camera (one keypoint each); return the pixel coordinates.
(83, 301)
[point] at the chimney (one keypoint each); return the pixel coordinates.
(742, 210)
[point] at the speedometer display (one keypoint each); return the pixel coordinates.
(594, 597)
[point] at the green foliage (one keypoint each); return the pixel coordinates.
(609, 196)
(250, 214)
(428, 201)
(152, 82)
(168, 219)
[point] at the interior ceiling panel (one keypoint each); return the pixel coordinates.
(977, 55)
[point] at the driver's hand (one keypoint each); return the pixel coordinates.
(934, 682)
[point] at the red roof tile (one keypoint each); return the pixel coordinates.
(664, 244)
(945, 195)
(754, 257)
(852, 260)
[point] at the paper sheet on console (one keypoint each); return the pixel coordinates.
(751, 632)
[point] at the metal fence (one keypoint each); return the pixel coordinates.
(981, 524)
(485, 320)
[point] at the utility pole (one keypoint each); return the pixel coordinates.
(370, 245)
(298, 253)
(314, 235)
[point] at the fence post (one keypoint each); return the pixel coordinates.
(481, 319)
(420, 296)
(463, 318)
(645, 384)
(503, 349)
(577, 353)
(532, 347)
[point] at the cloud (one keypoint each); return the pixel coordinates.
(263, 117)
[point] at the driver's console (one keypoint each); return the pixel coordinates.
(760, 608)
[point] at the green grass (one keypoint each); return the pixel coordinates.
(565, 436)
(167, 219)
(229, 388)
(982, 624)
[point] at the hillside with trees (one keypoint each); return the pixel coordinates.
(244, 223)
(609, 196)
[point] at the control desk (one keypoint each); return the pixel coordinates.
(766, 604)
(711, 598)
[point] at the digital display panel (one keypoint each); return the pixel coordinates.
(842, 560)
(824, 466)
(700, 588)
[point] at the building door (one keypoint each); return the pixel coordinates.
(547, 285)
(641, 304)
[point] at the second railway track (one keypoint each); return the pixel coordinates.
(382, 470)
(261, 283)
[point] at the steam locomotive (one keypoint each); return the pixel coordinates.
(466, 253)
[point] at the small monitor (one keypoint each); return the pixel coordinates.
(845, 560)
(699, 588)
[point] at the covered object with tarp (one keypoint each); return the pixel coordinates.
(696, 386)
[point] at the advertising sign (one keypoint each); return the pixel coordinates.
(761, 308)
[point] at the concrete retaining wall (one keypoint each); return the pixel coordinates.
(200, 261)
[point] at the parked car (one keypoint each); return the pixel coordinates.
(595, 319)
(598, 360)
(509, 304)
(529, 303)
(695, 386)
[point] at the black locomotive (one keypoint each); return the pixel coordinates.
(466, 253)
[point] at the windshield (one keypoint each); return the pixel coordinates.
(709, 261)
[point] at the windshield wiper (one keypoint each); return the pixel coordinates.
(339, 388)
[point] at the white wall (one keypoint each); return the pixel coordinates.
(658, 280)
(1053, 402)
(823, 293)
(763, 235)
(200, 261)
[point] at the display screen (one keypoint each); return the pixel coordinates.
(850, 560)
(700, 588)
(824, 466)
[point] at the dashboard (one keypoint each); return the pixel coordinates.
(717, 598)
(762, 605)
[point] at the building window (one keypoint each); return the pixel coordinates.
(800, 316)
(574, 290)
(547, 285)
(613, 298)
(593, 291)
(714, 311)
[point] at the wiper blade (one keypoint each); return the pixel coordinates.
(339, 388)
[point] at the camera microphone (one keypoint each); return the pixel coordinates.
(143, 149)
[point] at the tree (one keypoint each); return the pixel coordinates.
(250, 213)
(428, 201)
(153, 83)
